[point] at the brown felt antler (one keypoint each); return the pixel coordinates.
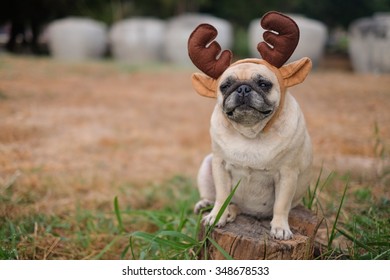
(281, 39)
(204, 56)
(284, 41)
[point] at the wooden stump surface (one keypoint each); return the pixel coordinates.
(248, 238)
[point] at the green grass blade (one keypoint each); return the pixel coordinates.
(160, 241)
(131, 245)
(106, 248)
(357, 242)
(333, 231)
(378, 257)
(327, 180)
(182, 219)
(312, 195)
(118, 215)
(220, 249)
(125, 250)
(178, 235)
(159, 219)
(225, 205)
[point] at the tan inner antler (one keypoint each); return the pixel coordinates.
(204, 54)
(283, 42)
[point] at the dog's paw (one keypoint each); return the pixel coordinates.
(280, 229)
(281, 233)
(228, 216)
(201, 204)
(209, 220)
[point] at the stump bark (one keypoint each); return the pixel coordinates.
(248, 238)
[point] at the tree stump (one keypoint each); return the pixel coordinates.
(248, 238)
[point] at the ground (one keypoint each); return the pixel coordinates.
(78, 134)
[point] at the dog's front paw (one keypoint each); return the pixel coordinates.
(228, 216)
(280, 228)
(201, 204)
(281, 233)
(209, 220)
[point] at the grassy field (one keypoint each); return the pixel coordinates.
(98, 160)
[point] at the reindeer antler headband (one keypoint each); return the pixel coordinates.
(282, 33)
(281, 39)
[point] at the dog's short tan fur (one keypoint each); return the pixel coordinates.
(271, 157)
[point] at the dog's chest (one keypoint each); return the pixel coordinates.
(248, 155)
(255, 194)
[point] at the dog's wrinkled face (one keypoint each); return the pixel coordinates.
(249, 94)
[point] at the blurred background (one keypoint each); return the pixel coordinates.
(138, 31)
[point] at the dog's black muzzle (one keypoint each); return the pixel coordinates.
(247, 106)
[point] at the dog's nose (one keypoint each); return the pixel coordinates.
(243, 90)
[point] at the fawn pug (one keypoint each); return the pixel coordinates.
(258, 132)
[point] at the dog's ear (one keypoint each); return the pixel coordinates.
(204, 85)
(295, 72)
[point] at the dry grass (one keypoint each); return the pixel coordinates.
(74, 136)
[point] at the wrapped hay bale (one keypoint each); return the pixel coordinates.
(137, 40)
(369, 44)
(77, 39)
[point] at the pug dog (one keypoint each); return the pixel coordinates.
(258, 132)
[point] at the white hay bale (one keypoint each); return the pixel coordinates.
(369, 44)
(77, 38)
(137, 40)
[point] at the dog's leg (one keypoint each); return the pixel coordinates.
(223, 186)
(285, 189)
(206, 185)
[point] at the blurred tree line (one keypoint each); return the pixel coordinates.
(331, 12)
(33, 14)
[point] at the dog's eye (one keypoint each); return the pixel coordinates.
(264, 85)
(224, 87)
